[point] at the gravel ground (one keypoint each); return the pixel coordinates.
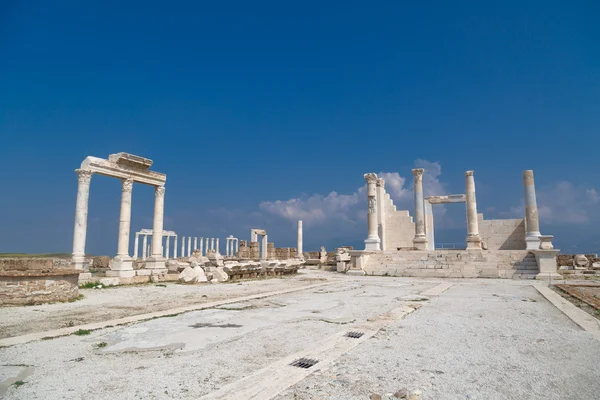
(195, 353)
(116, 302)
(479, 340)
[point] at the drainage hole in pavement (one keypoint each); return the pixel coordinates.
(354, 334)
(304, 363)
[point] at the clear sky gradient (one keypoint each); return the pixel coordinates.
(258, 111)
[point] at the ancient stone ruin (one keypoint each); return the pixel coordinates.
(398, 246)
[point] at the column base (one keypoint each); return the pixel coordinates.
(420, 243)
(473, 242)
(155, 263)
(532, 243)
(373, 244)
(120, 273)
(80, 262)
(546, 261)
(122, 263)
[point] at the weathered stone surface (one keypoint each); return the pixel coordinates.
(219, 275)
(580, 262)
(35, 287)
(193, 275)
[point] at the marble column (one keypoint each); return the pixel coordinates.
(175, 248)
(372, 242)
(473, 238)
(201, 247)
(237, 245)
(429, 230)
(379, 198)
(183, 246)
(157, 261)
(212, 244)
(144, 246)
(263, 250)
(189, 253)
(207, 245)
(81, 213)
(168, 253)
(136, 244)
(420, 240)
(195, 244)
(532, 223)
(122, 262)
(217, 248)
(300, 237)
(227, 241)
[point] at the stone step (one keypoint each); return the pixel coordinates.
(524, 275)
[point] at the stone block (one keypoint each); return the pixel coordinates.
(115, 281)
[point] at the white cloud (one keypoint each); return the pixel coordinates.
(562, 203)
(350, 209)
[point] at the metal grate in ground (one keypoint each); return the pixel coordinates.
(304, 363)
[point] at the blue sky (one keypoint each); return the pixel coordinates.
(258, 111)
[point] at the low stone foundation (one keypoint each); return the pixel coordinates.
(446, 263)
(19, 288)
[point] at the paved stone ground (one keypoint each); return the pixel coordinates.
(481, 339)
(123, 301)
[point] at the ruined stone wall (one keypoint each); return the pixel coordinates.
(244, 250)
(567, 259)
(446, 264)
(254, 250)
(32, 264)
(400, 229)
(23, 288)
(502, 234)
(271, 251)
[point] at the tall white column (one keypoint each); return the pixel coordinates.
(157, 261)
(217, 248)
(429, 231)
(300, 237)
(81, 213)
(195, 244)
(420, 240)
(380, 190)
(144, 246)
(532, 222)
(201, 246)
(183, 246)
(372, 241)
(122, 262)
(212, 244)
(136, 244)
(167, 254)
(189, 251)
(253, 236)
(263, 250)
(237, 245)
(227, 246)
(175, 248)
(207, 245)
(473, 238)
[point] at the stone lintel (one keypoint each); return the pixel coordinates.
(130, 160)
(452, 198)
(124, 171)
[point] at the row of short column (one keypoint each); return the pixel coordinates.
(232, 246)
(204, 245)
(147, 248)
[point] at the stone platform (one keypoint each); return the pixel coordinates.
(519, 264)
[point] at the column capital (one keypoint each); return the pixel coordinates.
(469, 173)
(127, 184)
(159, 191)
(371, 178)
(380, 182)
(417, 172)
(85, 176)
